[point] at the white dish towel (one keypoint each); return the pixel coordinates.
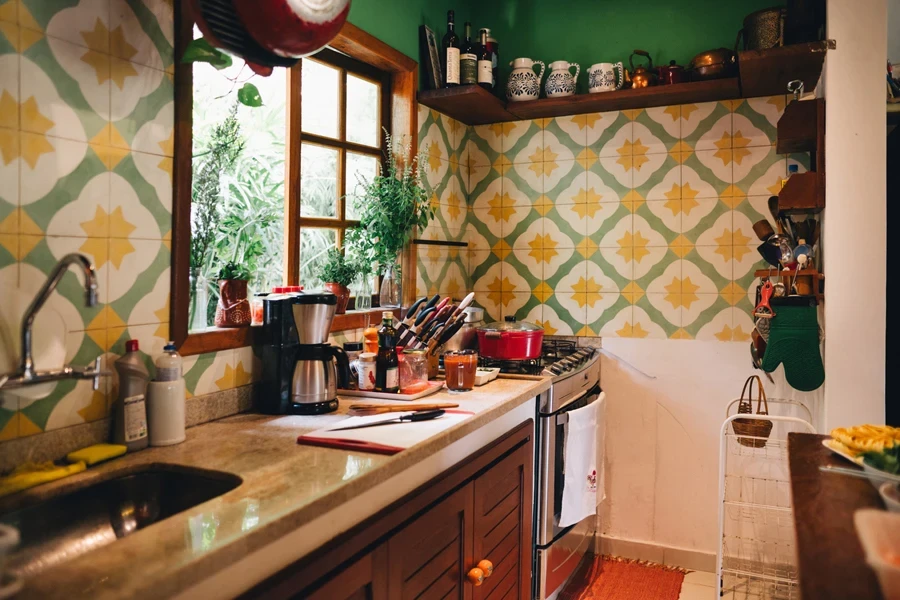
(583, 476)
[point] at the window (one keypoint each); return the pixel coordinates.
(344, 105)
(283, 183)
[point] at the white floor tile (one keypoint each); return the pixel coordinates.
(693, 591)
(701, 578)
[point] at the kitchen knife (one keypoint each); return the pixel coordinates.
(421, 321)
(413, 418)
(411, 314)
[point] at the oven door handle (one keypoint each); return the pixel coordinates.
(561, 413)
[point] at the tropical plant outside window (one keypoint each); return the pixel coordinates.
(238, 188)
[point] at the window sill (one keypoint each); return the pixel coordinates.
(216, 339)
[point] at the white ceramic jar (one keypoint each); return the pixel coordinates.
(523, 84)
(561, 82)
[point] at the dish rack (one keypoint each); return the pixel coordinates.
(756, 558)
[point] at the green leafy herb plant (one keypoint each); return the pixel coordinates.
(234, 271)
(336, 268)
(390, 207)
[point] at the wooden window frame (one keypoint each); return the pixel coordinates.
(346, 66)
(355, 43)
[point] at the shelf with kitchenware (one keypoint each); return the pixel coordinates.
(801, 128)
(808, 282)
(758, 73)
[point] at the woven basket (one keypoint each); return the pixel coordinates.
(758, 430)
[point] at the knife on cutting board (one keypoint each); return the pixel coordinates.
(391, 420)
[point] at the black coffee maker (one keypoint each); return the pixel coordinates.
(299, 375)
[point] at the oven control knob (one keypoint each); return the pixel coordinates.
(555, 369)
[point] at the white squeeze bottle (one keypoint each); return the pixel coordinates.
(131, 408)
(168, 365)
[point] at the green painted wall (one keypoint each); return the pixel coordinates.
(396, 22)
(582, 31)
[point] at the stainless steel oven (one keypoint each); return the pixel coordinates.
(560, 550)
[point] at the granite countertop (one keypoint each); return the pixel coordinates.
(285, 486)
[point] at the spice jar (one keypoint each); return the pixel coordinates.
(256, 309)
(366, 371)
(413, 372)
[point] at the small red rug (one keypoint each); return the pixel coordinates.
(613, 578)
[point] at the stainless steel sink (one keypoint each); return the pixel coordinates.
(76, 522)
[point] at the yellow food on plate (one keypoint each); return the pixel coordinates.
(866, 438)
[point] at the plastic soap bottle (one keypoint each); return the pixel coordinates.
(131, 408)
(165, 400)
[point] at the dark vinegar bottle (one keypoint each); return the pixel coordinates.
(387, 373)
(451, 53)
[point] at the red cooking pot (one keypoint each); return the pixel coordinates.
(510, 340)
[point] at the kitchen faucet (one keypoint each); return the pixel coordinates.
(26, 374)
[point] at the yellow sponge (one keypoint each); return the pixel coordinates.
(96, 453)
(31, 474)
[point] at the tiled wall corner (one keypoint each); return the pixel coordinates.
(445, 173)
(632, 223)
(86, 147)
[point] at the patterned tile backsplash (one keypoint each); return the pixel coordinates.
(635, 223)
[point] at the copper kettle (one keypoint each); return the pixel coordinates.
(642, 77)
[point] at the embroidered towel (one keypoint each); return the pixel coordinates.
(582, 476)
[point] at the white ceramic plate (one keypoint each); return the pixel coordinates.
(882, 476)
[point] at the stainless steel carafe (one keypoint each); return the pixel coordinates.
(321, 368)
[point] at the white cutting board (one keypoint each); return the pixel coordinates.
(383, 439)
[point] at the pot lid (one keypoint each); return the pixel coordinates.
(510, 324)
(713, 57)
(474, 314)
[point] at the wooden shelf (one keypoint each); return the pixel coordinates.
(659, 95)
(767, 72)
(802, 129)
(471, 104)
(761, 73)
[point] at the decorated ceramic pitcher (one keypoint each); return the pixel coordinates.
(523, 84)
(560, 81)
(602, 77)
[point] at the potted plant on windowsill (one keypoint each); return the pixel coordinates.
(391, 207)
(338, 272)
(233, 308)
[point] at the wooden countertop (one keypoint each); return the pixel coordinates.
(830, 558)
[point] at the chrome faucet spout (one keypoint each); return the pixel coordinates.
(26, 367)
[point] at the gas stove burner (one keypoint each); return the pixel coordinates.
(552, 349)
(514, 367)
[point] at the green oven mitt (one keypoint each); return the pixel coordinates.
(794, 341)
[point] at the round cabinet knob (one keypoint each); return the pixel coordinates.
(486, 566)
(476, 576)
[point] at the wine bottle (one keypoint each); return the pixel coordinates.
(485, 68)
(468, 60)
(451, 54)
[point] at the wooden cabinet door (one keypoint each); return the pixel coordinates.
(428, 557)
(503, 525)
(363, 579)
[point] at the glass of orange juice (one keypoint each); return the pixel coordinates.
(459, 370)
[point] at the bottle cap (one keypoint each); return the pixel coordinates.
(367, 356)
(793, 168)
(353, 346)
(387, 315)
(169, 346)
(132, 346)
(801, 242)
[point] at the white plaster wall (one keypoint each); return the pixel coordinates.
(854, 230)
(894, 32)
(665, 406)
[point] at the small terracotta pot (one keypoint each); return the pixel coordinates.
(343, 296)
(233, 308)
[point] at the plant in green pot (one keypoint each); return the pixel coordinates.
(338, 272)
(391, 207)
(233, 308)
